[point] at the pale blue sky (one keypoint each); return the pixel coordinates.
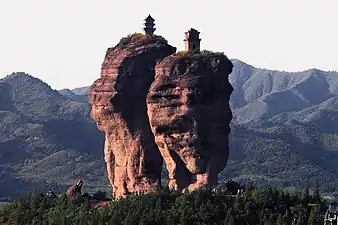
(63, 42)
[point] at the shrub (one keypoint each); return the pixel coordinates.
(140, 39)
(204, 56)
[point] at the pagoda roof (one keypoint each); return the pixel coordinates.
(149, 19)
(193, 31)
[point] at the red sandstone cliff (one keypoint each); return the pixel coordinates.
(118, 101)
(189, 114)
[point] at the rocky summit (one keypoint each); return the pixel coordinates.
(188, 108)
(153, 104)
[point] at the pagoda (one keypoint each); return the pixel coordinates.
(149, 25)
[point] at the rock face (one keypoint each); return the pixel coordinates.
(74, 192)
(189, 113)
(119, 107)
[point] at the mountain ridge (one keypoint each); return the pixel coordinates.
(37, 122)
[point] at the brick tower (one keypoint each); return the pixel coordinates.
(192, 40)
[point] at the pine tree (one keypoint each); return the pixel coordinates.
(306, 196)
(279, 220)
(272, 219)
(248, 207)
(238, 206)
(231, 221)
(227, 217)
(316, 195)
(274, 194)
(314, 218)
(301, 219)
(287, 218)
(183, 219)
(294, 221)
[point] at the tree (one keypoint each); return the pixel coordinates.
(272, 219)
(306, 196)
(316, 194)
(248, 207)
(229, 219)
(314, 217)
(287, 218)
(279, 220)
(301, 220)
(168, 208)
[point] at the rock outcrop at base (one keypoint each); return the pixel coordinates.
(118, 101)
(189, 113)
(74, 192)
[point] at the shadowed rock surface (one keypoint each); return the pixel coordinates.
(118, 101)
(189, 113)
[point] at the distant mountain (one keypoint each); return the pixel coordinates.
(80, 93)
(81, 90)
(264, 95)
(284, 132)
(77, 94)
(44, 137)
(293, 155)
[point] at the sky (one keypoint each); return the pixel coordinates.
(63, 42)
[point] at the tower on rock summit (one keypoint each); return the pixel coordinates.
(192, 40)
(149, 25)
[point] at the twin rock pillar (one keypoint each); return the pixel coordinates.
(152, 105)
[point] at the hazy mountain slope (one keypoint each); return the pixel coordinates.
(322, 116)
(81, 90)
(69, 94)
(284, 156)
(37, 123)
(262, 94)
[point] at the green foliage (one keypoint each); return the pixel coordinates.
(140, 39)
(270, 206)
(204, 55)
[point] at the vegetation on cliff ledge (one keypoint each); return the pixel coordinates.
(197, 54)
(266, 207)
(204, 55)
(141, 39)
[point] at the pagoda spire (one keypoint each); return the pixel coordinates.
(149, 25)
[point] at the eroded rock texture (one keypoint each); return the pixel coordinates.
(189, 113)
(118, 101)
